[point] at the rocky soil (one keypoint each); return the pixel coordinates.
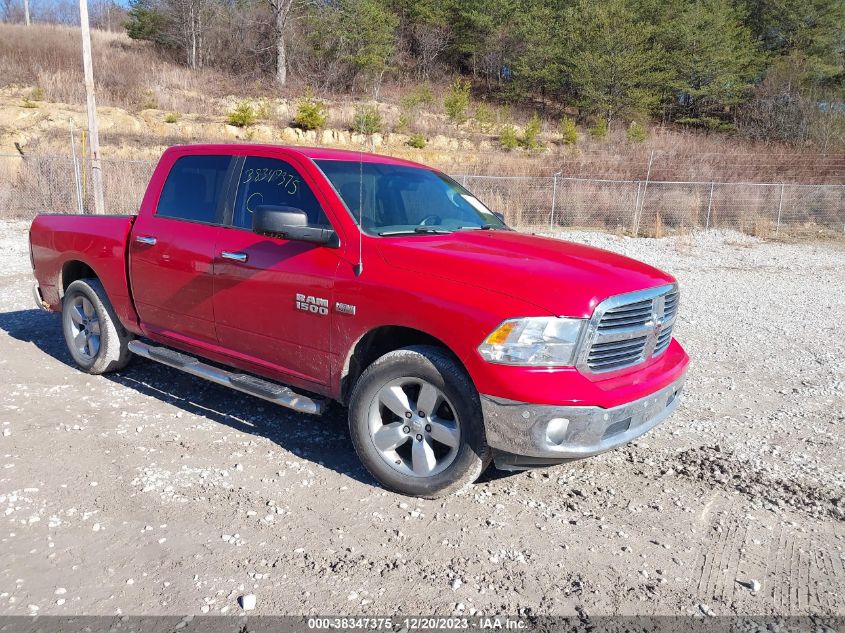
(43, 127)
(149, 492)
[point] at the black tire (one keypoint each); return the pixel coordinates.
(434, 366)
(112, 351)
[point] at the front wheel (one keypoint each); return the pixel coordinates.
(416, 423)
(95, 338)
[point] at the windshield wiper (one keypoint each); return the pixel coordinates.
(418, 229)
(483, 227)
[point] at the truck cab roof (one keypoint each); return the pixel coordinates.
(313, 153)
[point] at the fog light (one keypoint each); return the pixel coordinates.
(556, 430)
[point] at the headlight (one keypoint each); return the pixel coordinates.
(536, 341)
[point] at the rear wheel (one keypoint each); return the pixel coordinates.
(416, 423)
(95, 338)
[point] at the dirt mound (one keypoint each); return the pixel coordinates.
(715, 466)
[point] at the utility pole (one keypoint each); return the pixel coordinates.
(26, 11)
(93, 133)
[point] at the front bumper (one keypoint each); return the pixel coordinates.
(525, 435)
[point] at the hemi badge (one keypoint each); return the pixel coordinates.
(345, 308)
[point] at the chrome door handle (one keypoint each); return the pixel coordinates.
(236, 257)
(142, 239)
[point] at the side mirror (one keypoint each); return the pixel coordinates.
(501, 216)
(290, 223)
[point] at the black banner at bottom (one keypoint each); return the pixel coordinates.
(410, 624)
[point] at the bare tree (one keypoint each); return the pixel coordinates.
(432, 41)
(56, 12)
(107, 15)
(189, 24)
(7, 10)
(281, 11)
(241, 40)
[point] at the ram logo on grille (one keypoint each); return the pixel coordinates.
(629, 329)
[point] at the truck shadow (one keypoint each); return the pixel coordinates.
(324, 440)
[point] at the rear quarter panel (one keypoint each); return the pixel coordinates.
(97, 241)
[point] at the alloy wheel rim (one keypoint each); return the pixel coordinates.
(84, 327)
(414, 427)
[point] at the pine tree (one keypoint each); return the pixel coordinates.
(370, 29)
(810, 30)
(614, 65)
(144, 21)
(539, 62)
(714, 59)
(486, 38)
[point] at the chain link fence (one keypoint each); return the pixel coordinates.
(33, 184)
(640, 207)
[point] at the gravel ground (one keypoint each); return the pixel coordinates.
(149, 492)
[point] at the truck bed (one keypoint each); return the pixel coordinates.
(60, 243)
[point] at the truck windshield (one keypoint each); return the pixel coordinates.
(403, 200)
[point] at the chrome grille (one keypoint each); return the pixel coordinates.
(629, 329)
(670, 305)
(607, 356)
(663, 341)
(633, 315)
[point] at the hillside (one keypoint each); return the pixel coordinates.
(147, 102)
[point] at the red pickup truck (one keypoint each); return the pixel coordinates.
(304, 276)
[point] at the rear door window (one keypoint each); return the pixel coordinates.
(195, 188)
(270, 181)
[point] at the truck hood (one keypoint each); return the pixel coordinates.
(565, 278)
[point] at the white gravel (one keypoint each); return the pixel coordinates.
(741, 488)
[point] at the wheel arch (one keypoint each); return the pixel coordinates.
(377, 342)
(73, 270)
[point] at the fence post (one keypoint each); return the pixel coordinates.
(780, 208)
(636, 203)
(642, 200)
(709, 206)
(554, 199)
(84, 166)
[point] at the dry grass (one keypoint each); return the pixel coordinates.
(44, 62)
(677, 156)
(128, 74)
(132, 75)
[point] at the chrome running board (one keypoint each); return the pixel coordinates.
(253, 385)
